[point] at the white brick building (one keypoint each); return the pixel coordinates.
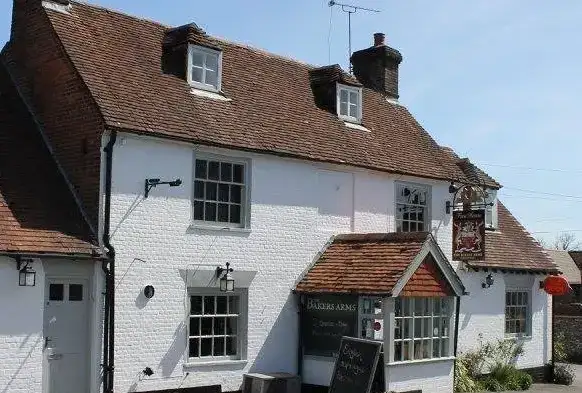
(274, 171)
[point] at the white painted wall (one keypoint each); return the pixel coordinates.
(21, 340)
(430, 377)
(295, 208)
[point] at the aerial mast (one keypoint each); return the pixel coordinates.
(350, 9)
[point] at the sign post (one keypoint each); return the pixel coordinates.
(355, 366)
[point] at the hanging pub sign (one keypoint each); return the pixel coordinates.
(469, 235)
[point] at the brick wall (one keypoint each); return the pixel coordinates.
(61, 102)
(570, 326)
(21, 338)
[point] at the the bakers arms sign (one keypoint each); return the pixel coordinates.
(469, 235)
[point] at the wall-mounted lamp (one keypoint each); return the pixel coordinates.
(448, 207)
(151, 183)
(452, 188)
(226, 280)
(149, 291)
(26, 274)
(488, 281)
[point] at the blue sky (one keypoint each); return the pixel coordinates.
(497, 80)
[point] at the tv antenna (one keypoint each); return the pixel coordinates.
(350, 9)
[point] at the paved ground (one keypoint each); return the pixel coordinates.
(576, 387)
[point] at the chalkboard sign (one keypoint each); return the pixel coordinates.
(355, 366)
(325, 320)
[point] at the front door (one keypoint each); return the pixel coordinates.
(66, 326)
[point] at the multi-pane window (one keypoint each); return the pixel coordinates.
(350, 103)
(205, 68)
(219, 192)
(516, 312)
(213, 329)
(411, 208)
(422, 328)
(371, 318)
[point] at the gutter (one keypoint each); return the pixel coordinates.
(109, 270)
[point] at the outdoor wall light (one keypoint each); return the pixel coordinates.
(226, 280)
(488, 281)
(151, 183)
(448, 207)
(26, 274)
(452, 188)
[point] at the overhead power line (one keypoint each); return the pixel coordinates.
(560, 231)
(544, 193)
(526, 168)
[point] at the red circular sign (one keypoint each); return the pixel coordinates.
(377, 326)
(556, 285)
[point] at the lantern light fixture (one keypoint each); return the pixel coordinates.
(226, 280)
(488, 282)
(26, 274)
(152, 183)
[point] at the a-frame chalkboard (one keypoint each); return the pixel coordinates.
(355, 366)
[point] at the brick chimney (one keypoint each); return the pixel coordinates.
(377, 67)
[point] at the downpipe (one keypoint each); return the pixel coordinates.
(109, 270)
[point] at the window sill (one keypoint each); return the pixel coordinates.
(217, 228)
(215, 95)
(406, 362)
(509, 337)
(210, 363)
(355, 126)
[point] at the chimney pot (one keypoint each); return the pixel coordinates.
(379, 39)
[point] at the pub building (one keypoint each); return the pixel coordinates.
(216, 218)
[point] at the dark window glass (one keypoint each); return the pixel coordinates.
(56, 292)
(206, 329)
(196, 305)
(194, 348)
(198, 210)
(222, 212)
(235, 194)
(223, 192)
(201, 169)
(210, 211)
(226, 172)
(231, 346)
(199, 189)
(208, 305)
(219, 326)
(221, 304)
(219, 346)
(235, 214)
(75, 292)
(211, 191)
(194, 326)
(206, 347)
(213, 170)
(238, 174)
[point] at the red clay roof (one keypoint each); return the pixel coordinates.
(272, 111)
(511, 247)
(38, 214)
(474, 174)
(363, 263)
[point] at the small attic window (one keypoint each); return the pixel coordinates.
(204, 68)
(349, 103)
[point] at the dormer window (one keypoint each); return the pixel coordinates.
(349, 103)
(204, 68)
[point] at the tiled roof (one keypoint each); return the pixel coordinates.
(577, 257)
(38, 214)
(363, 263)
(567, 265)
(272, 108)
(511, 247)
(471, 171)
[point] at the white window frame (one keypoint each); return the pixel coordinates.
(376, 317)
(450, 336)
(528, 316)
(349, 89)
(242, 328)
(428, 210)
(245, 197)
(206, 52)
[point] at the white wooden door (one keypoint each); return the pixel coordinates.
(66, 326)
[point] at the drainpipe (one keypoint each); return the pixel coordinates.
(300, 317)
(109, 323)
(457, 312)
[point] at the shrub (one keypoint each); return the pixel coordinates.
(560, 352)
(464, 382)
(492, 385)
(563, 374)
(525, 380)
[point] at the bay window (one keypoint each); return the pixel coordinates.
(422, 328)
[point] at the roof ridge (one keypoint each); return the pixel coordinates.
(221, 39)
